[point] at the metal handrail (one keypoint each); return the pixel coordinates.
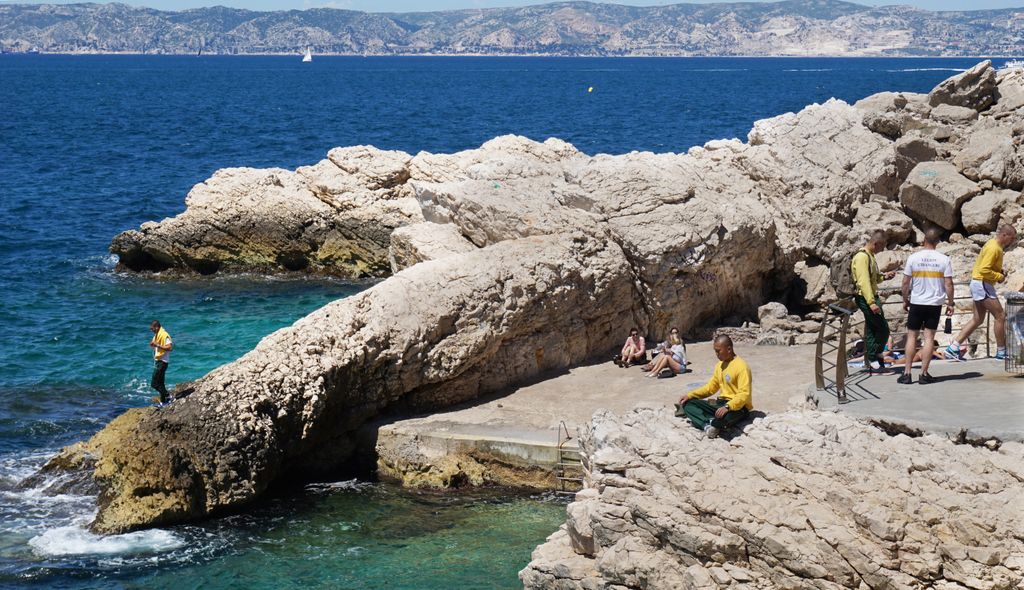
(843, 310)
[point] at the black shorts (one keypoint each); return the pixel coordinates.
(926, 316)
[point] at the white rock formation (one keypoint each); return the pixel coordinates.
(801, 500)
(536, 257)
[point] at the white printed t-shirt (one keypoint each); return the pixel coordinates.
(928, 270)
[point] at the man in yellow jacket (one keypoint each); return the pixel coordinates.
(865, 273)
(732, 382)
(161, 345)
(988, 270)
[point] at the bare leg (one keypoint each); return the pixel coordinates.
(627, 354)
(973, 323)
(659, 364)
(927, 350)
(676, 367)
(994, 307)
(911, 350)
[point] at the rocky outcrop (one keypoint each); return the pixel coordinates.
(436, 334)
(974, 89)
(802, 499)
(935, 191)
(335, 217)
(521, 257)
(425, 241)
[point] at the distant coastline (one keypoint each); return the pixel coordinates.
(793, 28)
(537, 55)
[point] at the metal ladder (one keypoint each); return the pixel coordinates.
(830, 349)
(569, 469)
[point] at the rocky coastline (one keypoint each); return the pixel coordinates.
(802, 499)
(521, 257)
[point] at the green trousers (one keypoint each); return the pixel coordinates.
(702, 412)
(876, 331)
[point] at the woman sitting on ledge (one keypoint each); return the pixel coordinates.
(633, 350)
(672, 357)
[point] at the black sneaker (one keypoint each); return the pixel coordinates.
(925, 379)
(906, 379)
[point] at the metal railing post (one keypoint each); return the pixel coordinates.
(819, 374)
(841, 367)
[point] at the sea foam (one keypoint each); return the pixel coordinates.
(76, 540)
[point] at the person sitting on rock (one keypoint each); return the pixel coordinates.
(733, 384)
(672, 357)
(633, 351)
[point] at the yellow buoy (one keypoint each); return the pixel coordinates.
(590, 89)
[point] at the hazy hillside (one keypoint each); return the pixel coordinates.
(792, 27)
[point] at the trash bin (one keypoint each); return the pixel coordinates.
(1015, 333)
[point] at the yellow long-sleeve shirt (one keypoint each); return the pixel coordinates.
(732, 379)
(866, 275)
(989, 265)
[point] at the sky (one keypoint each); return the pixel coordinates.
(427, 5)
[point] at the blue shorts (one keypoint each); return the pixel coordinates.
(981, 290)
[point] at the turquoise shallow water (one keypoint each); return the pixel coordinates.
(93, 145)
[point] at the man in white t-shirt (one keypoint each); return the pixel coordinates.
(927, 282)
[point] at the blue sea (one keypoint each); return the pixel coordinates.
(93, 145)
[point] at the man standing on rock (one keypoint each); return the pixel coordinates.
(732, 381)
(988, 270)
(161, 345)
(927, 282)
(866, 277)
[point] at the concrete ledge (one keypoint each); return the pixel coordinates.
(976, 398)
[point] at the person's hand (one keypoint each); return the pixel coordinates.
(152, 344)
(684, 399)
(875, 308)
(721, 412)
(906, 305)
(949, 309)
(889, 274)
(1002, 280)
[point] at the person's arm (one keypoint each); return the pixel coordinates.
(643, 345)
(949, 295)
(710, 388)
(906, 291)
(862, 277)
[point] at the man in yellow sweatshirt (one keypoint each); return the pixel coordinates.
(988, 270)
(732, 382)
(866, 277)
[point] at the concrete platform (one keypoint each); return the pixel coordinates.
(520, 427)
(977, 395)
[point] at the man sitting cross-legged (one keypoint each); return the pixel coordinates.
(732, 382)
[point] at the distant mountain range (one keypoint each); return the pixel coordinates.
(792, 27)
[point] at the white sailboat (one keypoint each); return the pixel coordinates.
(308, 56)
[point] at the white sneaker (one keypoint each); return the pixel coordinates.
(710, 431)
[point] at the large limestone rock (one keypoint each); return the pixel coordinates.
(981, 214)
(333, 218)
(934, 192)
(455, 328)
(993, 154)
(535, 257)
(887, 216)
(800, 500)
(975, 89)
(947, 113)
(425, 241)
